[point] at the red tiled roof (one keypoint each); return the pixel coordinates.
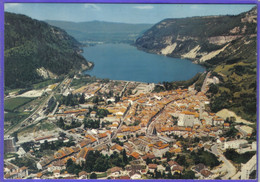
(152, 166)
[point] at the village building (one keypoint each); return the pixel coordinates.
(235, 144)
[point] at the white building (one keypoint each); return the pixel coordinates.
(235, 144)
(187, 120)
(248, 168)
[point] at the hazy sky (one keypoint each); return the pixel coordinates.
(128, 13)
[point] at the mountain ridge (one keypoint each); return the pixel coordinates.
(102, 31)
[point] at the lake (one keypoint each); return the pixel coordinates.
(126, 62)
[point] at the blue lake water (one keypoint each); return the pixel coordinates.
(126, 62)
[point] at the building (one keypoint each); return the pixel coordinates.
(188, 119)
(235, 144)
(248, 168)
(9, 145)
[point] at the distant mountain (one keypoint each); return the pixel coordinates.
(224, 44)
(35, 50)
(99, 31)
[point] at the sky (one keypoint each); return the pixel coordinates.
(126, 13)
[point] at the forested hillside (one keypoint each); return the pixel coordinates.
(35, 51)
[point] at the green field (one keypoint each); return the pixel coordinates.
(43, 84)
(14, 103)
(102, 175)
(15, 118)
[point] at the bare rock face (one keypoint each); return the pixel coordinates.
(46, 74)
(220, 40)
(250, 17)
(197, 38)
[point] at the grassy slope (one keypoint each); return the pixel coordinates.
(14, 103)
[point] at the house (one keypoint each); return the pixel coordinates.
(117, 148)
(177, 169)
(115, 171)
(172, 163)
(135, 155)
(124, 177)
(58, 165)
(11, 168)
(160, 168)
(83, 175)
(81, 157)
(93, 141)
(159, 148)
(93, 114)
(135, 175)
(17, 173)
(226, 125)
(44, 162)
(102, 137)
(152, 167)
(206, 173)
(149, 155)
(56, 173)
(39, 175)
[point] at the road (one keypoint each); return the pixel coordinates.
(204, 85)
(123, 90)
(228, 166)
(40, 107)
(153, 119)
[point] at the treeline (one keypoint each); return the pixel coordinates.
(232, 155)
(64, 126)
(95, 161)
(198, 79)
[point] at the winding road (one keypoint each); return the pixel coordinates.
(228, 166)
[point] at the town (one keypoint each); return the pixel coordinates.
(88, 128)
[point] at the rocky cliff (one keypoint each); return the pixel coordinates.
(198, 38)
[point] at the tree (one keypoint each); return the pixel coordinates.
(95, 100)
(69, 162)
(15, 135)
(213, 88)
(82, 99)
(188, 175)
(61, 123)
(93, 176)
(62, 134)
(125, 159)
(117, 99)
(100, 164)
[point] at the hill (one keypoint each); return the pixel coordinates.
(99, 31)
(226, 45)
(35, 51)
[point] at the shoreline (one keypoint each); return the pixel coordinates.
(83, 72)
